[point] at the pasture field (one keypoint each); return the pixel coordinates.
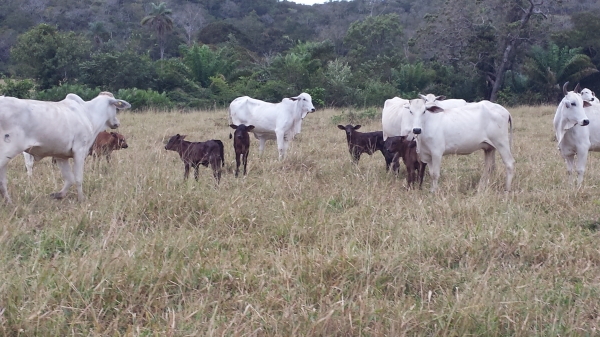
(308, 246)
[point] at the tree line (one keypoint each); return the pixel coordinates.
(204, 53)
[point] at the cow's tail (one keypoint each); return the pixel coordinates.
(510, 136)
(222, 151)
(229, 120)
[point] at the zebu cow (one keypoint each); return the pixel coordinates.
(62, 130)
(391, 116)
(280, 121)
(444, 103)
(589, 96)
(574, 137)
(462, 130)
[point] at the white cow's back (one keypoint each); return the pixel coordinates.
(391, 117)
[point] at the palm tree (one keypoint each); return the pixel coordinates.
(160, 20)
(548, 68)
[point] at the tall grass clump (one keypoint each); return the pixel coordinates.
(312, 245)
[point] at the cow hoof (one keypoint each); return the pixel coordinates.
(56, 195)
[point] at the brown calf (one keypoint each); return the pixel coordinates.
(241, 144)
(407, 149)
(198, 153)
(365, 142)
(106, 143)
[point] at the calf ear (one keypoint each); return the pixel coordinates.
(357, 127)
(250, 128)
(341, 127)
(412, 144)
(233, 126)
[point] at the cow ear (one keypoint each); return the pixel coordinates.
(357, 127)
(434, 109)
(440, 98)
(120, 104)
(586, 104)
(250, 128)
(294, 98)
(233, 126)
(341, 127)
(568, 104)
(423, 97)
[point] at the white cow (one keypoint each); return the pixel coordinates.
(444, 103)
(477, 126)
(62, 130)
(280, 121)
(589, 96)
(391, 116)
(574, 137)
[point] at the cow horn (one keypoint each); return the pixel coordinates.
(565, 88)
(577, 88)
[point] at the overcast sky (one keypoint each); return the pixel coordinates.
(309, 2)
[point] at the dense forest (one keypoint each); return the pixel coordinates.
(204, 53)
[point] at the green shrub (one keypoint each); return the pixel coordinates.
(142, 99)
(317, 95)
(357, 117)
(59, 93)
(16, 88)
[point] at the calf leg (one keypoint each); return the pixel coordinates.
(68, 177)
(196, 171)
(245, 161)
(421, 173)
(214, 163)
(237, 163)
(186, 173)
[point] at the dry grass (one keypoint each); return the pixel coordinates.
(312, 245)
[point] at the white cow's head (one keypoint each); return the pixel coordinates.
(417, 108)
(571, 108)
(430, 98)
(304, 103)
(106, 105)
(588, 95)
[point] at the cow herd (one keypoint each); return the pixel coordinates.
(420, 131)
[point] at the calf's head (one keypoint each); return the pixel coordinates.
(349, 130)
(118, 140)
(174, 143)
(241, 130)
(588, 95)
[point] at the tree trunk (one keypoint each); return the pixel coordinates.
(508, 55)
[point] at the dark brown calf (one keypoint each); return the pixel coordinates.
(365, 142)
(106, 143)
(198, 153)
(241, 144)
(407, 149)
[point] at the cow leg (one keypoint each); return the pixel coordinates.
(509, 164)
(237, 164)
(78, 163)
(282, 145)
(4, 181)
(108, 158)
(580, 168)
(68, 177)
(28, 163)
(434, 171)
(489, 164)
(261, 145)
